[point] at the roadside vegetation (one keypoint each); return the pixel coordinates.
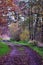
(4, 49)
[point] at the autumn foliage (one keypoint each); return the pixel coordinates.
(4, 4)
(24, 36)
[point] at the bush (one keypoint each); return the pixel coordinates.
(24, 36)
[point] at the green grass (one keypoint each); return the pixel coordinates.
(20, 42)
(4, 49)
(35, 48)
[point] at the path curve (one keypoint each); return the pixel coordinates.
(21, 55)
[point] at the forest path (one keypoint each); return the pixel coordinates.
(21, 55)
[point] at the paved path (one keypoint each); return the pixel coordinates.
(21, 55)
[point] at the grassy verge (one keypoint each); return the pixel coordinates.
(4, 49)
(20, 42)
(37, 49)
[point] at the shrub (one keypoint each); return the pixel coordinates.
(24, 36)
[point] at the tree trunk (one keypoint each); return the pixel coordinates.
(42, 34)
